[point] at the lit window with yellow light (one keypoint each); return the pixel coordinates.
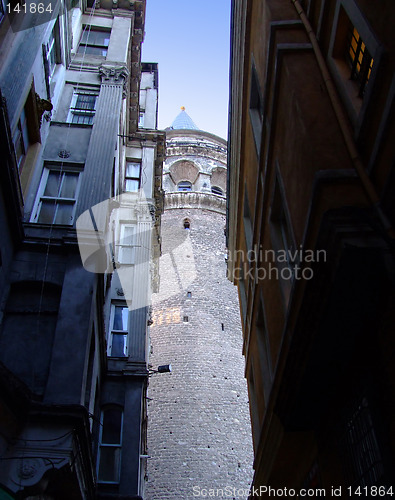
(359, 60)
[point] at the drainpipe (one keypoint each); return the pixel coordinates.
(344, 124)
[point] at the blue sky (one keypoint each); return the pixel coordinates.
(189, 39)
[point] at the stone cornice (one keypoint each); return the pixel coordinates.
(195, 199)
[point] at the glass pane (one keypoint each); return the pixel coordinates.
(119, 345)
(126, 255)
(25, 132)
(132, 185)
(84, 118)
(64, 214)
(133, 170)
(52, 60)
(184, 186)
(127, 235)
(84, 36)
(85, 102)
(47, 212)
(109, 464)
(95, 37)
(112, 426)
(69, 185)
(88, 49)
(101, 38)
(121, 314)
(53, 184)
(19, 149)
(23, 118)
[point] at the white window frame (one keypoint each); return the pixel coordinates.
(50, 48)
(134, 162)
(124, 246)
(110, 445)
(21, 136)
(113, 332)
(73, 111)
(58, 200)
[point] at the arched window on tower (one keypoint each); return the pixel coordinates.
(187, 224)
(217, 190)
(184, 186)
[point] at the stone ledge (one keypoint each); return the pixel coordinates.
(195, 199)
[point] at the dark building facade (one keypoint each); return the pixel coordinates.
(311, 239)
(77, 129)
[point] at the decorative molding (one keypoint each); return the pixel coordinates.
(114, 75)
(28, 471)
(195, 199)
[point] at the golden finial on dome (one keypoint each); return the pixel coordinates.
(182, 108)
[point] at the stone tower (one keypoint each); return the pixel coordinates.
(199, 427)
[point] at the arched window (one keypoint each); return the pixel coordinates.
(184, 186)
(217, 190)
(110, 444)
(187, 224)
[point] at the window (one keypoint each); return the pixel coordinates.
(21, 138)
(247, 222)
(57, 196)
(127, 244)
(354, 59)
(141, 118)
(132, 176)
(82, 108)
(359, 59)
(50, 53)
(189, 295)
(252, 394)
(256, 109)
(118, 341)
(360, 448)
(184, 186)
(27, 131)
(283, 241)
(263, 342)
(94, 42)
(217, 190)
(187, 224)
(283, 234)
(110, 445)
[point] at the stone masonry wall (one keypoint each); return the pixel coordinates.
(199, 433)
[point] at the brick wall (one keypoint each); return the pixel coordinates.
(198, 419)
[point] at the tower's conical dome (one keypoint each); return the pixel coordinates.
(183, 122)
